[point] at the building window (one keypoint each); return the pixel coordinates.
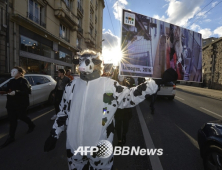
(32, 66)
(68, 3)
(80, 22)
(96, 4)
(62, 56)
(91, 16)
(2, 17)
(78, 42)
(64, 32)
(32, 46)
(91, 31)
(35, 12)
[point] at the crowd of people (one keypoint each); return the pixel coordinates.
(77, 105)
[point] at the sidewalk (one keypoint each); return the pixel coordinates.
(217, 94)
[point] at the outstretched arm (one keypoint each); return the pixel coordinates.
(130, 97)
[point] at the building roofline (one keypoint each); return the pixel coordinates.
(219, 39)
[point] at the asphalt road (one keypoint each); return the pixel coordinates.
(26, 153)
(174, 127)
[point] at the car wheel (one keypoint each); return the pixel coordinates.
(171, 98)
(213, 158)
(51, 99)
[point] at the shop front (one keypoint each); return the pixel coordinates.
(38, 57)
(35, 66)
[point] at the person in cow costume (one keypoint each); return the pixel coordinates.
(87, 111)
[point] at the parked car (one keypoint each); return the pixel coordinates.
(4, 77)
(166, 90)
(42, 86)
(210, 144)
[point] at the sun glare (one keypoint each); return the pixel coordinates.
(113, 55)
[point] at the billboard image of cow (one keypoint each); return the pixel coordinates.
(151, 46)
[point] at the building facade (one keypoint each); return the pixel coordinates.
(44, 35)
(3, 28)
(212, 65)
(208, 41)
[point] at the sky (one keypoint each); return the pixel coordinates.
(203, 16)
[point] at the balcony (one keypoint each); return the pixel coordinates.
(63, 12)
(80, 31)
(90, 40)
(91, 23)
(91, 7)
(95, 20)
(96, 5)
(36, 20)
(64, 38)
(80, 10)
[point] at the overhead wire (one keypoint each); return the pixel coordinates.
(202, 8)
(110, 17)
(205, 13)
(118, 13)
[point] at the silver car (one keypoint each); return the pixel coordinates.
(42, 86)
(167, 90)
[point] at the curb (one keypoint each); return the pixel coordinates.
(207, 95)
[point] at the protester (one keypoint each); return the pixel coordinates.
(122, 116)
(61, 82)
(87, 111)
(17, 90)
(68, 74)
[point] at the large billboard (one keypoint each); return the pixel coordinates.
(151, 46)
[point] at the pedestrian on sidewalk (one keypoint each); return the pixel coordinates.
(61, 82)
(68, 74)
(17, 90)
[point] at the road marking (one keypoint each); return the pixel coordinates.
(192, 140)
(179, 98)
(211, 112)
(154, 159)
(42, 115)
(3, 135)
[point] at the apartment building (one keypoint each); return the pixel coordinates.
(44, 35)
(3, 36)
(212, 64)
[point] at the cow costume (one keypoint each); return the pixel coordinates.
(87, 111)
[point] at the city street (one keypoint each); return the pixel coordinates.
(173, 128)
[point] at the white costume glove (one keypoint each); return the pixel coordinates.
(12, 93)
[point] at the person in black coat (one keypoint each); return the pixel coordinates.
(62, 81)
(122, 116)
(17, 91)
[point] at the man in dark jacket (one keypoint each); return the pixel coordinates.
(62, 81)
(17, 102)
